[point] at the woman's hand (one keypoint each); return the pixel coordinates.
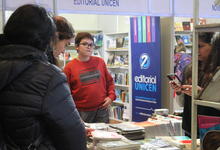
(187, 89)
(175, 86)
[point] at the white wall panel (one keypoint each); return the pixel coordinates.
(160, 7)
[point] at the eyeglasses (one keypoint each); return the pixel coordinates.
(87, 44)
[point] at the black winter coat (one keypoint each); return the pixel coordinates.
(35, 100)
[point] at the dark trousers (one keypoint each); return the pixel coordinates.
(100, 115)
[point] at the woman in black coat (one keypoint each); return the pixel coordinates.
(36, 106)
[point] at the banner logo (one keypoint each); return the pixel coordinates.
(144, 61)
(216, 5)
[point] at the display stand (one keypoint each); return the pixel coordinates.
(195, 102)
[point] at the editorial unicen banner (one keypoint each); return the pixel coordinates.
(146, 66)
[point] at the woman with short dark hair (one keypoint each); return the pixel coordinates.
(64, 35)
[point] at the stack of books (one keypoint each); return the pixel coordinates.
(129, 130)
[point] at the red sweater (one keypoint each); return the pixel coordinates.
(90, 83)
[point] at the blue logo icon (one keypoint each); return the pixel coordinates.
(144, 61)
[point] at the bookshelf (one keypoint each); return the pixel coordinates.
(183, 41)
(183, 35)
(183, 46)
(116, 55)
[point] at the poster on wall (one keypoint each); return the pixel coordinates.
(146, 66)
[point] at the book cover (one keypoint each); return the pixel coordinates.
(111, 59)
(126, 42)
(119, 42)
(178, 26)
(186, 39)
(105, 135)
(186, 25)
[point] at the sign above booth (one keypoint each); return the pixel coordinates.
(211, 7)
(181, 8)
(121, 7)
(207, 8)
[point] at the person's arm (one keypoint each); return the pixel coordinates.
(61, 118)
(110, 87)
(187, 89)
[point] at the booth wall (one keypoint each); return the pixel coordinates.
(105, 23)
(82, 22)
(166, 61)
(1, 22)
(1, 17)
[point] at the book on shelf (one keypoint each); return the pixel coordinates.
(184, 38)
(178, 26)
(111, 59)
(111, 43)
(126, 42)
(98, 39)
(116, 112)
(126, 112)
(119, 42)
(117, 60)
(121, 95)
(186, 26)
(178, 39)
(120, 78)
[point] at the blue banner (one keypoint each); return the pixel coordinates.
(146, 66)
